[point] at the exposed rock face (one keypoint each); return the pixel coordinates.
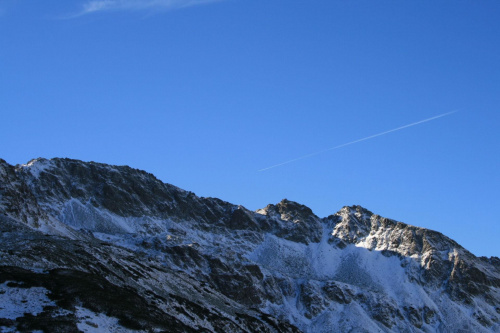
(294, 222)
(88, 246)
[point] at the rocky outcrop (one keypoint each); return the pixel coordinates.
(293, 221)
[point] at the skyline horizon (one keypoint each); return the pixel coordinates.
(27, 164)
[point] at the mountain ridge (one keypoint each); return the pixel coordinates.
(299, 271)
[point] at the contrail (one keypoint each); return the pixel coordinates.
(359, 140)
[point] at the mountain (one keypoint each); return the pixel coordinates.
(93, 247)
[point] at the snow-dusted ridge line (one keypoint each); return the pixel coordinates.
(42, 165)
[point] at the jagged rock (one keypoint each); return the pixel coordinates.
(311, 297)
(293, 221)
(335, 293)
(414, 316)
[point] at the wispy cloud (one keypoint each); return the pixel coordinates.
(95, 6)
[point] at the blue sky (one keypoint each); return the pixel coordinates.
(203, 94)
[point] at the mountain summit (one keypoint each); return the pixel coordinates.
(87, 246)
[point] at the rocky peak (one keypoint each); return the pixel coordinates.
(441, 258)
(352, 223)
(36, 166)
(293, 221)
(357, 225)
(35, 162)
(121, 190)
(294, 212)
(288, 210)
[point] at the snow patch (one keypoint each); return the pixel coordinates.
(89, 321)
(78, 215)
(16, 301)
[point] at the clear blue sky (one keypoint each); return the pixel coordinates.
(203, 95)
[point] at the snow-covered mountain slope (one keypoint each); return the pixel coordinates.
(89, 247)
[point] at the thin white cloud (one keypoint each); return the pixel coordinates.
(95, 6)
